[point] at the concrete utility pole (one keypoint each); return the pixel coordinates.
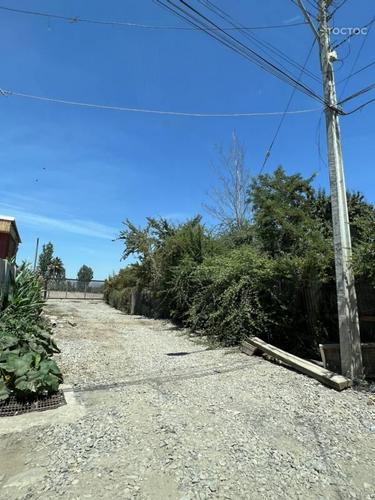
(350, 343)
(36, 253)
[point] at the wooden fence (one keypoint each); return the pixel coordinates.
(7, 276)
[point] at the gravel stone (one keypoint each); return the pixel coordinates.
(166, 417)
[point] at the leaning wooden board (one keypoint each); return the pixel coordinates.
(324, 376)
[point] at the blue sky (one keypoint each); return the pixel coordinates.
(71, 175)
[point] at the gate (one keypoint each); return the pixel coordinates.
(74, 289)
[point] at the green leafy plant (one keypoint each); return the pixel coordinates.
(26, 343)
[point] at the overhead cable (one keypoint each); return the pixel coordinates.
(360, 107)
(5, 93)
(357, 94)
(266, 47)
(337, 8)
(76, 19)
(358, 71)
(354, 32)
(268, 153)
(193, 16)
(355, 61)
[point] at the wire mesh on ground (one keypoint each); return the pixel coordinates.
(13, 406)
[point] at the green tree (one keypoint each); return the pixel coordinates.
(56, 270)
(50, 267)
(284, 216)
(45, 260)
(84, 276)
(362, 224)
(167, 254)
(144, 243)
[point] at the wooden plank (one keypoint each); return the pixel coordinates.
(324, 376)
(248, 349)
(316, 362)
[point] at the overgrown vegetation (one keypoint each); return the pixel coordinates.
(26, 343)
(272, 275)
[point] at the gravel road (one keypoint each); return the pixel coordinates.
(165, 417)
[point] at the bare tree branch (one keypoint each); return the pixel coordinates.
(229, 198)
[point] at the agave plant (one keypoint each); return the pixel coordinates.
(25, 300)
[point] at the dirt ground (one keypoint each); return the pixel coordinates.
(155, 414)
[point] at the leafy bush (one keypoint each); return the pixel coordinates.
(120, 299)
(26, 343)
(117, 289)
(274, 276)
(166, 252)
(215, 283)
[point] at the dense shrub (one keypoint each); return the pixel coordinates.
(272, 277)
(120, 299)
(117, 289)
(26, 343)
(226, 303)
(244, 292)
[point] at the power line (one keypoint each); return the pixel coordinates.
(356, 60)
(266, 47)
(221, 13)
(268, 154)
(358, 71)
(337, 8)
(312, 4)
(199, 20)
(296, 4)
(344, 58)
(360, 107)
(76, 20)
(359, 93)
(354, 32)
(4, 92)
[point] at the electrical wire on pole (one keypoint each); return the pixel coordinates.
(266, 47)
(269, 150)
(197, 114)
(196, 18)
(354, 32)
(128, 24)
(356, 59)
(357, 94)
(336, 9)
(369, 65)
